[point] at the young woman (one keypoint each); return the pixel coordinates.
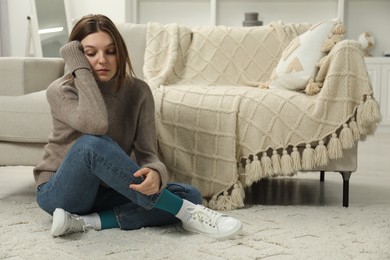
(101, 114)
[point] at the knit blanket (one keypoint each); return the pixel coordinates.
(220, 133)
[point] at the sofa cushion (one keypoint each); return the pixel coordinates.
(25, 118)
(298, 62)
(134, 36)
(19, 74)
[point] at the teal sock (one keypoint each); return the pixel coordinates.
(108, 219)
(169, 202)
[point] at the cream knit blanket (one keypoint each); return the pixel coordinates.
(219, 133)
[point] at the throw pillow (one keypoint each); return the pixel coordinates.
(297, 67)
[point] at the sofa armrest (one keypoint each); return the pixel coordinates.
(23, 75)
(345, 75)
(345, 54)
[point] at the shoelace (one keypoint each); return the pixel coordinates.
(77, 224)
(206, 215)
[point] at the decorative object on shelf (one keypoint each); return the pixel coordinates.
(251, 19)
(367, 41)
(386, 53)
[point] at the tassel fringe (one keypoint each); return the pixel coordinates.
(346, 137)
(277, 168)
(287, 163)
(335, 150)
(228, 202)
(266, 163)
(248, 179)
(313, 88)
(296, 159)
(365, 120)
(308, 162)
(321, 154)
(354, 129)
(256, 172)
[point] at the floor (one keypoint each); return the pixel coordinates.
(369, 185)
(314, 225)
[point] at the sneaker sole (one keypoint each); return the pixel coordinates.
(58, 218)
(228, 235)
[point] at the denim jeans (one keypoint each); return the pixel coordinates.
(76, 186)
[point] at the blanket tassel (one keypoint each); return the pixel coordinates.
(370, 112)
(224, 202)
(212, 203)
(237, 196)
(248, 177)
(256, 170)
(321, 154)
(354, 129)
(287, 163)
(367, 113)
(266, 164)
(346, 137)
(313, 88)
(308, 162)
(228, 202)
(277, 168)
(361, 120)
(335, 151)
(296, 159)
(241, 172)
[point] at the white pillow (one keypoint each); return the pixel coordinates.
(298, 62)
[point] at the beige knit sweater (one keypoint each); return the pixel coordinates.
(80, 105)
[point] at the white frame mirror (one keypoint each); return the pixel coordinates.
(49, 26)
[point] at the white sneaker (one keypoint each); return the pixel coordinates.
(66, 223)
(212, 223)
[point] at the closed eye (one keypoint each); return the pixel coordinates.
(111, 52)
(90, 54)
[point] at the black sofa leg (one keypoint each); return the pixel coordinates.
(322, 176)
(346, 176)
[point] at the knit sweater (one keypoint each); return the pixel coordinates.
(81, 105)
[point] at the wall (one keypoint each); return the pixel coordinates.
(360, 15)
(18, 10)
(369, 16)
(113, 9)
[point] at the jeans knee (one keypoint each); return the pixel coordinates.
(89, 140)
(94, 142)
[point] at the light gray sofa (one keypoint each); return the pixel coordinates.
(25, 120)
(24, 112)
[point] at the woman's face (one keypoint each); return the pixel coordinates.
(99, 48)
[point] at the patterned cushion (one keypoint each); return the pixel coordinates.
(298, 62)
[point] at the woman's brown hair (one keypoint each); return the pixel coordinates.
(96, 22)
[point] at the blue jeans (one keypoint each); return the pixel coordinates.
(76, 186)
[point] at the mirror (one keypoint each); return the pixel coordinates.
(52, 27)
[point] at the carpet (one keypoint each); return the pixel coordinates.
(270, 232)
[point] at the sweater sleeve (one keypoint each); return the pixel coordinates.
(145, 142)
(76, 100)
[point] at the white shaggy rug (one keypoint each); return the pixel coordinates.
(270, 232)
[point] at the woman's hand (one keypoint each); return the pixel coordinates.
(151, 184)
(73, 55)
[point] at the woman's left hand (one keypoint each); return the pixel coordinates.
(151, 183)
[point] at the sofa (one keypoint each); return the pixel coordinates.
(224, 116)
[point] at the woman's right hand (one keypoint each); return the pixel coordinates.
(73, 55)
